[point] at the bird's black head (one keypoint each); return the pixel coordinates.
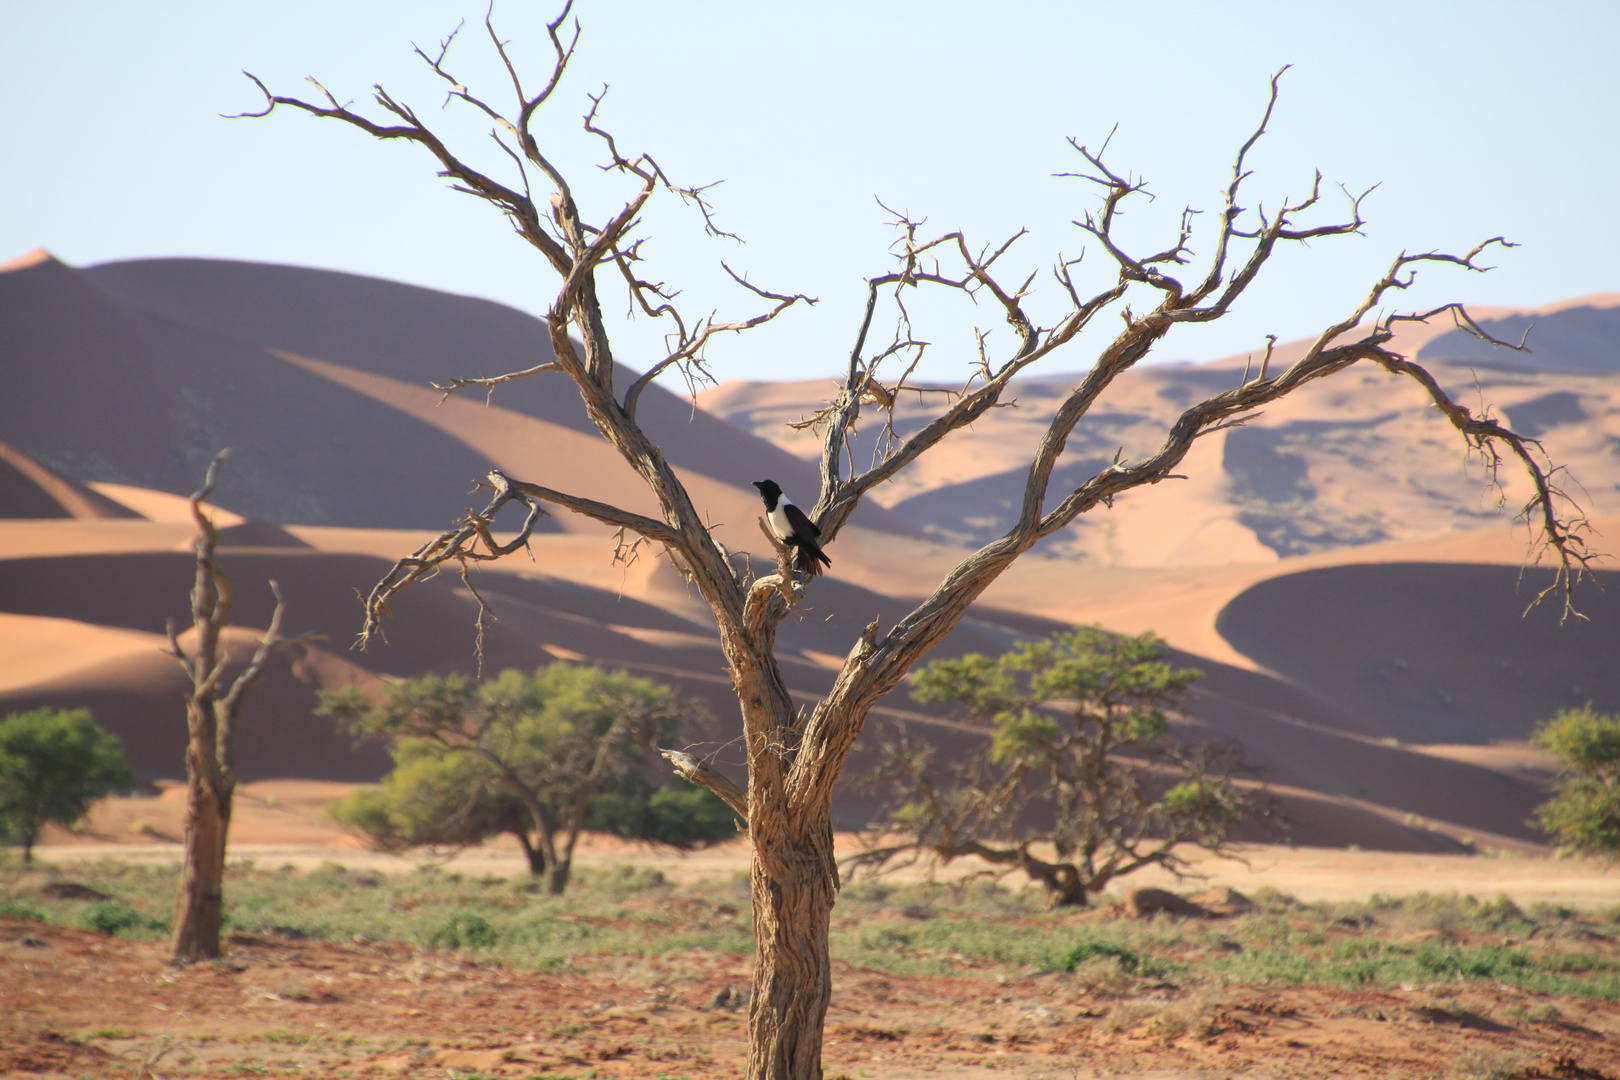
(769, 489)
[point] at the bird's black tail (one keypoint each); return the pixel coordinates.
(809, 561)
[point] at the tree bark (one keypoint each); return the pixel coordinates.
(793, 882)
(210, 717)
(210, 789)
(535, 857)
(1064, 886)
(557, 876)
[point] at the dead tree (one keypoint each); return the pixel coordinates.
(211, 709)
(794, 759)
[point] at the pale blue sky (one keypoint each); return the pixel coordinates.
(1477, 118)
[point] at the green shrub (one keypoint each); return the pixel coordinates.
(464, 931)
(54, 763)
(1088, 949)
(111, 917)
(18, 908)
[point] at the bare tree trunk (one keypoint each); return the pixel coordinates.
(557, 876)
(210, 717)
(1064, 887)
(536, 858)
(200, 910)
(793, 883)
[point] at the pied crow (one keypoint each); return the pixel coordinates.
(793, 528)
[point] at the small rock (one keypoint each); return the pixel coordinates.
(1143, 903)
(730, 998)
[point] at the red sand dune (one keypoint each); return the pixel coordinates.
(130, 375)
(29, 490)
(1357, 459)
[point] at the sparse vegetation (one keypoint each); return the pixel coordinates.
(980, 930)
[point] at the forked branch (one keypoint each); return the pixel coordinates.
(211, 598)
(472, 540)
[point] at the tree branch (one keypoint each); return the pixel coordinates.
(460, 544)
(697, 771)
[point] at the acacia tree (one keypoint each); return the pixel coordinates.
(54, 763)
(1077, 754)
(211, 709)
(793, 758)
(537, 756)
(1584, 812)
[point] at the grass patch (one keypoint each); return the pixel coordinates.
(981, 930)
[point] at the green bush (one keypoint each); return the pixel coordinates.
(1584, 812)
(18, 908)
(112, 917)
(524, 754)
(1087, 949)
(54, 764)
(463, 931)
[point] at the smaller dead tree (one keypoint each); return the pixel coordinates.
(1078, 759)
(211, 710)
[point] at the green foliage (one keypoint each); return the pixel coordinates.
(463, 931)
(682, 818)
(1584, 812)
(535, 755)
(1090, 948)
(1079, 754)
(54, 764)
(112, 917)
(1586, 743)
(14, 908)
(431, 799)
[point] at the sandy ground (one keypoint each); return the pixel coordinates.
(77, 1004)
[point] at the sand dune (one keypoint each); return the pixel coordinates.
(346, 328)
(1349, 596)
(29, 490)
(101, 391)
(1435, 653)
(1344, 462)
(162, 506)
(39, 649)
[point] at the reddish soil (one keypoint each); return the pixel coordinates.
(79, 1004)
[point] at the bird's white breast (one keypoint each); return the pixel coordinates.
(779, 520)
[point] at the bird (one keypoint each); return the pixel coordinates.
(790, 525)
